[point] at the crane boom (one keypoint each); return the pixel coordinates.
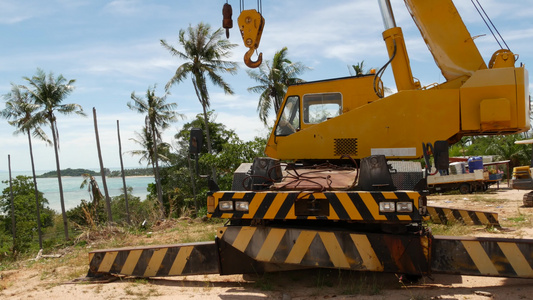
(447, 38)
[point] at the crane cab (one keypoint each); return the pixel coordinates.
(310, 104)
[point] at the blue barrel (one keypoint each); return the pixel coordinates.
(475, 163)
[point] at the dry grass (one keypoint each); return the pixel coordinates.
(453, 229)
(73, 262)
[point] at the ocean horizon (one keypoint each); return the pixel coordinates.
(72, 192)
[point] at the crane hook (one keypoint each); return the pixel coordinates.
(248, 59)
(251, 25)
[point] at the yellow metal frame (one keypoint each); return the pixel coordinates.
(474, 100)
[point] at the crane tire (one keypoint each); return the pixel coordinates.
(465, 188)
(528, 199)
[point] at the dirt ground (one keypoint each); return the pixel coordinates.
(52, 278)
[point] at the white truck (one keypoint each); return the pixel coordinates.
(459, 177)
(464, 182)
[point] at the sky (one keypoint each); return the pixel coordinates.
(112, 48)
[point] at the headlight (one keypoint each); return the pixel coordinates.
(404, 207)
(387, 207)
(225, 205)
(241, 205)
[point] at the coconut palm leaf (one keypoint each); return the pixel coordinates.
(205, 53)
(274, 77)
(49, 92)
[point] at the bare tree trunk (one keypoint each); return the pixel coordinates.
(123, 176)
(102, 170)
(37, 204)
(13, 224)
(157, 179)
(59, 181)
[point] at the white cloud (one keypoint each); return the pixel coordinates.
(112, 48)
(133, 8)
(18, 11)
(247, 127)
(242, 101)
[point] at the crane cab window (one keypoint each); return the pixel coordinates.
(289, 121)
(321, 107)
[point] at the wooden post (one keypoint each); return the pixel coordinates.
(123, 176)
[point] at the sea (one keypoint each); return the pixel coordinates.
(72, 192)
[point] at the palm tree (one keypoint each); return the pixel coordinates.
(359, 68)
(274, 77)
(204, 52)
(506, 149)
(144, 139)
(92, 188)
(49, 92)
(20, 112)
(159, 115)
(94, 193)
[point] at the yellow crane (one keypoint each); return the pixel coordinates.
(327, 195)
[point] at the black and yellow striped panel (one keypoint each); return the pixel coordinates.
(184, 259)
(331, 249)
(483, 256)
(446, 215)
(347, 206)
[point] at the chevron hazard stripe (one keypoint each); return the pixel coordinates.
(347, 205)
(445, 215)
(483, 256)
(184, 259)
(331, 249)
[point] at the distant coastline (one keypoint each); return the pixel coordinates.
(139, 172)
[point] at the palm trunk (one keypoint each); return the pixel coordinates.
(37, 204)
(123, 177)
(13, 223)
(157, 179)
(59, 181)
(102, 171)
(277, 103)
(208, 137)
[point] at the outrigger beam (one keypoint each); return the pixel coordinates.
(447, 215)
(482, 256)
(152, 261)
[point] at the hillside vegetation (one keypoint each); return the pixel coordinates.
(80, 172)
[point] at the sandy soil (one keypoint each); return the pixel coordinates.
(53, 280)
